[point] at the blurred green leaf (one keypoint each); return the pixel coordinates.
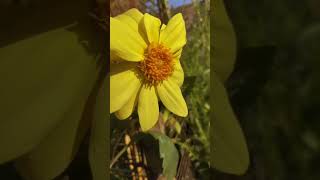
(42, 78)
(168, 153)
(54, 154)
(223, 41)
(99, 144)
(49, 65)
(229, 153)
(273, 22)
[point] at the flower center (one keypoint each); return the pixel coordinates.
(157, 64)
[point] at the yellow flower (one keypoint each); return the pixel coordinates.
(145, 66)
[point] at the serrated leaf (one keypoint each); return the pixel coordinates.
(223, 41)
(168, 153)
(229, 151)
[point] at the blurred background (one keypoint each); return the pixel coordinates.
(274, 87)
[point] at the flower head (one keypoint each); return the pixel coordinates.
(145, 66)
(157, 65)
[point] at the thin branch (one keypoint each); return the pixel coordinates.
(123, 150)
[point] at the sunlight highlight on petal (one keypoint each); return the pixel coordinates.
(151, 27)
(174, 34)
(125, 42)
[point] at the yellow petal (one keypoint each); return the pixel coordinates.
(178, 74)
(131, 17)
(125, 42)
(128, 108)
(123, 84)
(151, 26)
(171, 97)
(163, 26)
(134, 14)
(148, 108)
(177, 54)
(174, 35)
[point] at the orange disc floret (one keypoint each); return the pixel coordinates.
(157, 65)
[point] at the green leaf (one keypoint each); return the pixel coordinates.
(229, 151)
(54, 153)
(168, 153)
(99, 142)
(47, 65)
(48, 68)
(42, 79)
(223, 41)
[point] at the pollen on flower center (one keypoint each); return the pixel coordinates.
(157, 64)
